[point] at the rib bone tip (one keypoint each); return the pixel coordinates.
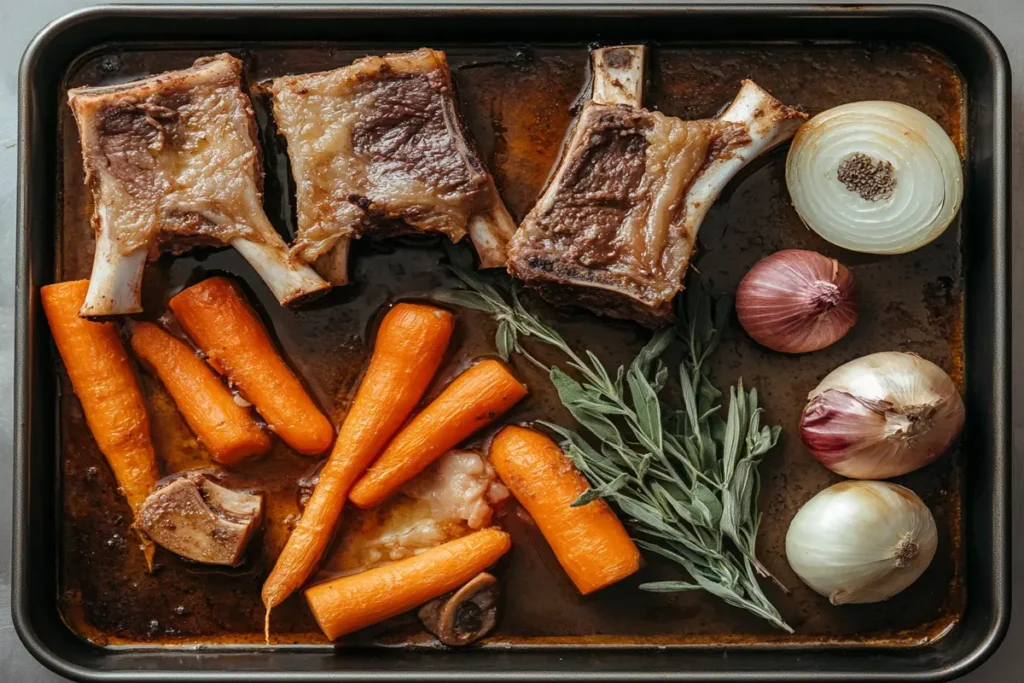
(618, 75)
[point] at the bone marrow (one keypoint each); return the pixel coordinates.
(201, 521)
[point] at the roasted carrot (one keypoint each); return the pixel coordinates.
(353, 602)
(411, 342)
(226, 429)
(589, 541)
(216, 316)
(102, 378)
(474, 399)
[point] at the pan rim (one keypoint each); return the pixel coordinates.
(26, 305)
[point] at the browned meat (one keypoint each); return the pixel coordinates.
(172, 162)
(200, 520)
(607, 225)
(615, 228)
(378, 148)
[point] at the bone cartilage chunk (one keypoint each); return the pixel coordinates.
(614, 230)
(200, 520)
(172, 162)
(377, 148)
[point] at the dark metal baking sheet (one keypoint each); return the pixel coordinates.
(978, 625)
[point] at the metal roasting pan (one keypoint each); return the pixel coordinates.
(978, 513)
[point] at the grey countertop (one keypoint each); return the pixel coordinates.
(21, 19)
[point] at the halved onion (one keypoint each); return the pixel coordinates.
(876, 177)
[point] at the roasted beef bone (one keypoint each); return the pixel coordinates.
(172, 162)
(465, 616)
(615, 227)
(377, 148)
(200, 520)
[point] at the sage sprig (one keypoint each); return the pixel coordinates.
(685, 477)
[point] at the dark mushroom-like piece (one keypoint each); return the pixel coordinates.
(200, 520)
(465, 616)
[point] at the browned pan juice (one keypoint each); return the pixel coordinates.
(518, 103)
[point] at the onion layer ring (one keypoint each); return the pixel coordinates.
(907, 183)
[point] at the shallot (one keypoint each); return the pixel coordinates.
(797, 301)
(882, 415)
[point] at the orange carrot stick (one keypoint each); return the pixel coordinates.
(353, 602)
(474, 399)
(589, 541)
(102, 378)
(411, 342)
(216, 316)
(225, 428)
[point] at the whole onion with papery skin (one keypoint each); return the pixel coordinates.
(882, 415)
(861, 541)
(797, 301)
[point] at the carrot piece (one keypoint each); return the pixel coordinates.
(589, 541)
(216, 316)
(474, 399)
(102, 377)
(411, 342)
(353, 602)
(226, 429)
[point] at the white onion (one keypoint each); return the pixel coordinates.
(922, 161)
(796, 301)
(861, 541)
(882, 415)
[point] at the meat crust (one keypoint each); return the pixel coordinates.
(175, 153)
(377, 148)
(172, 163)
(615, 228)
(607, 232)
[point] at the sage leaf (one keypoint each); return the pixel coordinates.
(505, 340)
(708, 505)
(602, 491)
(668, 587)
(463, 299)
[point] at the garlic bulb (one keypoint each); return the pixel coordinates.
(882, 415)
(861, 541)
(876, 177)
(796, 301)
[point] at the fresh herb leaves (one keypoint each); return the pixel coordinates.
(685, 478)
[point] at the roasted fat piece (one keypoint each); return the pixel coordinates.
(172, 162)
(377, 148)
(615, 228)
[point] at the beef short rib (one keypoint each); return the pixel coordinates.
(377, 148)
(615, 227)
(172, 162)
